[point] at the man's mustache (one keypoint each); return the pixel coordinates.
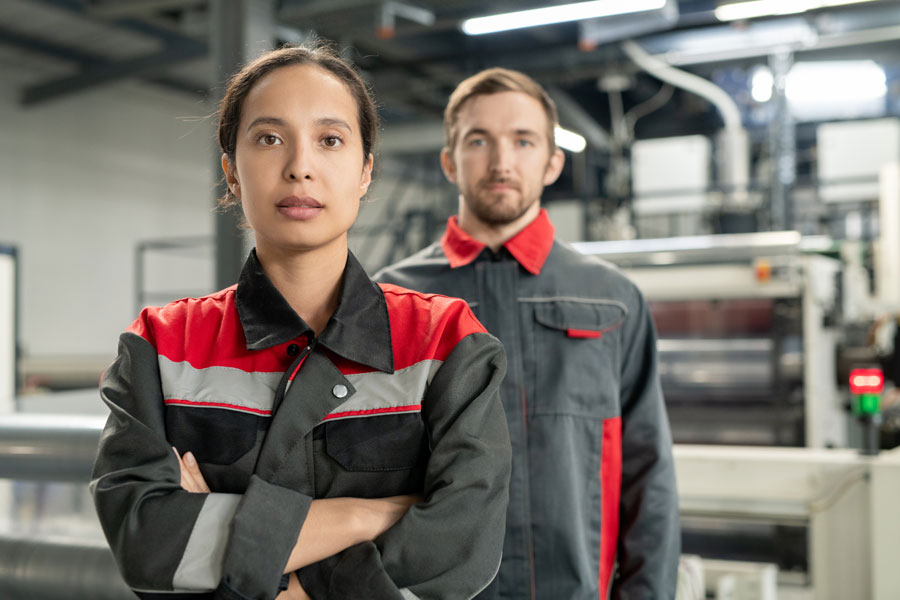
(501, 180)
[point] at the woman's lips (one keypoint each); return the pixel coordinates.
(300, 209)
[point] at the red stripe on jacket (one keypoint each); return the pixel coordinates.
(611, 487)
(374, 411)
(247, 409)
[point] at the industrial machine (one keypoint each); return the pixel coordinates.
(746, 326)
(753, 347)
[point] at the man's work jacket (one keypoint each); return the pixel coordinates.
(593, 509)
(398, 395)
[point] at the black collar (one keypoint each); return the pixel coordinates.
(359, 329)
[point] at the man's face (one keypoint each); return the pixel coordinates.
(502, 158)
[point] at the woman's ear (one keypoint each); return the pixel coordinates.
(231, 176)
(366, 178)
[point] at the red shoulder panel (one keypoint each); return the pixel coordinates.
(426, 326)
(205, 332)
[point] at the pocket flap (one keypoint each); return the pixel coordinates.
(380, 443)
(581, 319)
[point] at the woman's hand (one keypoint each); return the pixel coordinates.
(331, 525)
(334, 524)
(191, 477)
(192, 481)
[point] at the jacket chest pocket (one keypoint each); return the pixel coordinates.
(576, 358)
(371, 457)
(215, 436)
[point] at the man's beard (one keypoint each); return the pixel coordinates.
(494, 211)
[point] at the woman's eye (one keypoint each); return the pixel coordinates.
(332, 141)
(269, 140)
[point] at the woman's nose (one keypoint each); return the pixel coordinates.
(297, 165)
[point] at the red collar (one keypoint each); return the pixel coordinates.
(530, 246)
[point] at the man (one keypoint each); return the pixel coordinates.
(593, 508)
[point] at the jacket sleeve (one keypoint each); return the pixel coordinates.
(649, 537)
(165, 539)
(448, 546)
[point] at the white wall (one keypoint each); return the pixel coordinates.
(85, 178)
(82, 180)
(7, 328)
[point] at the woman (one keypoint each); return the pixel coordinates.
(351, 434)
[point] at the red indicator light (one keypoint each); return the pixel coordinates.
(866, 381)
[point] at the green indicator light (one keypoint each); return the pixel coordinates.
(866, 404)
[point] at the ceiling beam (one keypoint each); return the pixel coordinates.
(96, 69)
(167, 35)
(116, 9)
(107, 72)
(15, 39)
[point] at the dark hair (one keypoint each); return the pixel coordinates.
(316, 53)
(493, 81)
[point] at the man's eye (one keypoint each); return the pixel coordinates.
(476, 142)
(269, 140)
(524, 143)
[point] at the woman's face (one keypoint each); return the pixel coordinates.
(299, 170)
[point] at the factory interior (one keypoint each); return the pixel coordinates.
(738, 160)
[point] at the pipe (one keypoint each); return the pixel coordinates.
(59, 570)
(574, 116)
(737, 160)
(41, 447)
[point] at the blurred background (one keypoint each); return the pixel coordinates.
(740, 160)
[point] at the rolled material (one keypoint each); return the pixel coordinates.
(40, 447)
(59, 570)
(727, 368)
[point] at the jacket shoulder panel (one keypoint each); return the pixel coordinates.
(588, 276)
(426, 326)
(426, 264)
(203, 332)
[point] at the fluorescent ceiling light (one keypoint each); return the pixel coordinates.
(569, 140)
(765, 8)
(557, 14)
(835, 82)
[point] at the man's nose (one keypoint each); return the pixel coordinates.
(502, 157)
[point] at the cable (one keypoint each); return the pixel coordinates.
(654, 103)
(831, 497)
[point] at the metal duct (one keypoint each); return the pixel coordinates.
(736, 172)
(48, 447)
(59, 570)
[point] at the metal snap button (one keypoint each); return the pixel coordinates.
(339, 391)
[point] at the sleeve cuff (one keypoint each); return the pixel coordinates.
(264, 531)
(355, 573)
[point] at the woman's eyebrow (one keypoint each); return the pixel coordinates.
(324, 122)
(334, 122)
(265, 121)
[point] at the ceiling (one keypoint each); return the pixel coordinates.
(69, 46)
